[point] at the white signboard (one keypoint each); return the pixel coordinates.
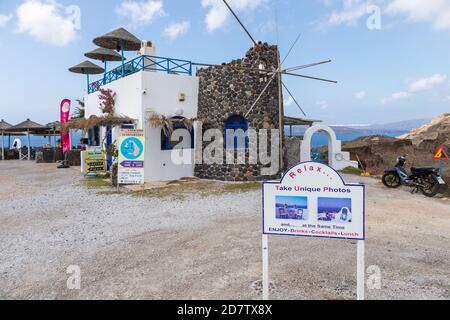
(312, 200)
(131, 157)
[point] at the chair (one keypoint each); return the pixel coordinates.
(23, 156)
(299, 214)
(283, 213)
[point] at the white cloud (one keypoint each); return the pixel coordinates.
(350, 14)
(289, 102)
(175, 30)
(4, 19)
(424, 84)
(322, 104)
(360, 95)
(47, 22)
(435, 11)
(141, 12)
(416, 86)
(218, 13)
(396, 96)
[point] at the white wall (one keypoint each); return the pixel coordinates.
(337, 159)
(142, 93)
(162, 97)
(163, 90)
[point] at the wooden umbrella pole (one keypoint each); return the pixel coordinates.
(3, 145)
(123, 59)
(29, 145)
(55, 155)
(104, 77)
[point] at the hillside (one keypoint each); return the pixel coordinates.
(380, 153)
(438, 131)
(406, 125)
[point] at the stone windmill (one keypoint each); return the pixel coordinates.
(276, 74)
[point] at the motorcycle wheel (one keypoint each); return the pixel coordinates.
(391, 180)
(431, 186)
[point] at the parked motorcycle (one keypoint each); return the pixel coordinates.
(425, 180)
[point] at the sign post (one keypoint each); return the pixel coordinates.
(312, 200)
(361, 270)
(265, 252)
(95, 163)
(131, 157)
(442, 156)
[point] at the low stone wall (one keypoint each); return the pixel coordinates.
(73, 158)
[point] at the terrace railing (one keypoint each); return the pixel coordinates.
(143, 63)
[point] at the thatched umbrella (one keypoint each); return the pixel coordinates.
(4, 126)
(97, 121)
(54, 129)
(104, 55)
(29, 127)
(87, 68)
(120, 40)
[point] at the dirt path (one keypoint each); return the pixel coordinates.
(203, 246)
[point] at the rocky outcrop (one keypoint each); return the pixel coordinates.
(436, 133)
(380, 152)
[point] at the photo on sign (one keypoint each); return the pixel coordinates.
(335, 210)
(291, 208)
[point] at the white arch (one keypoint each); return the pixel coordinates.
(338, 160)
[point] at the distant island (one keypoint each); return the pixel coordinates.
(389, 129)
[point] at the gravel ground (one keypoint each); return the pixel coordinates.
(203, 246)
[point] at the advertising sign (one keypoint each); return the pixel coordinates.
(65, 136)
(131, 157)
(95, 163)
(312, 200)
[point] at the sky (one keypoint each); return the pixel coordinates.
(390, 57)
(334, 204)
(301, 202)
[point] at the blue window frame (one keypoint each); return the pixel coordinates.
(238, 124)
(167, 144)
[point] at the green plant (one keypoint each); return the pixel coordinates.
(79, 112)
(351, 170)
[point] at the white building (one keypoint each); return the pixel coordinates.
(152, 85)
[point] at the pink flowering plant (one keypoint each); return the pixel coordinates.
(107, 101)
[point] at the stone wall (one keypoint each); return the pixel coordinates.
(292, 149)
(225, 92)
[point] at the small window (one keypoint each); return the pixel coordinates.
(128, 126)
(239, 126)
(94, 137)
(187, 140)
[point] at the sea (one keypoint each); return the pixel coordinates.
(37, 141)
(319, 139)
